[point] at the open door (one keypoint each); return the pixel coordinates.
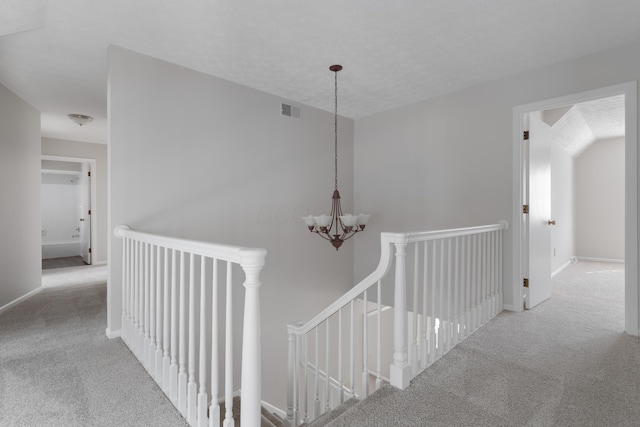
(85, 213)
(539, 207)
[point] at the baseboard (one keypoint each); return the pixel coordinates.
(585, 258)
(269, 407)
(562, 267)
(99, 263)
(22, 298)
(507, 307)
(113, 334)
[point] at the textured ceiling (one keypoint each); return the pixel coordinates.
(587, 122)
(54, 53)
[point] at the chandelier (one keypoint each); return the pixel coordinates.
(336, 227)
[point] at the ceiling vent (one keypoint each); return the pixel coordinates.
(289, 110)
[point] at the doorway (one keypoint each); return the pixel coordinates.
(67, 196)
(524, 262)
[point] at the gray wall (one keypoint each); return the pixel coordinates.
(447, 162)
(86, 150)
(198, 157)
(599, 175)
(20, 261)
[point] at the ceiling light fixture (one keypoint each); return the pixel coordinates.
(337, 227)
(80, 119)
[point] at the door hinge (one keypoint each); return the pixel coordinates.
(89, 173)
(525, 209)
(525, 135)
(89, 211)
(525, 282)
(90, 252)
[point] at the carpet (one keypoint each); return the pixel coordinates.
(57, 367)
(566, 362)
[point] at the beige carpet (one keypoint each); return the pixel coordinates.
(567, 362)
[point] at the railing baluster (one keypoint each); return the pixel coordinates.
(214, 408)
(202, 369)
(159, 314)
(456, 285)
(432, 330)
(173, 368)
(340, 359)
(125, 265)
(414, 317)
(152, 313)
(365, 346)
(448, 329)
(182, 352)
(316, 384)
(146, 307)
(191, 380)
(352, 375)
(327, 395)
(425, 314)
(228, 357)
(441, 317)
(379, 338)
(305, 361)
(166, 360)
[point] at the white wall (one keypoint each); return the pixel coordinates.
(60, 196)
(20, 262)
(599, 176)
(86, 150)
(198, 157)
(447, 161)
(562, 207)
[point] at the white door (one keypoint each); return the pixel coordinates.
(539, 201)
(85, 213)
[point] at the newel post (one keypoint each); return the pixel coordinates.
(400, 371)
(252, 262)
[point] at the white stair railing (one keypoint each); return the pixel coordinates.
(452, 280)
(177, 340)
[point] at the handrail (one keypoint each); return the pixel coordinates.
(383, 267)
(237, 254)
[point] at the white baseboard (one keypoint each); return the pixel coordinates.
(19, 300)
(269, 407)
(507, 307)
(562, 267)
(585, 258)
(99, 263)
(113, 334)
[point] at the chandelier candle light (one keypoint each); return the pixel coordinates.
(336, 227)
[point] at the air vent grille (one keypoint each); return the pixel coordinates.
(289, 110)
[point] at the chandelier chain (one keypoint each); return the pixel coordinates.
(335, 127)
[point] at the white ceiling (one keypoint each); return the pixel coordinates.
(53, 53)
(584, 123)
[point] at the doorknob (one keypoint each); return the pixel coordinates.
(552, 222)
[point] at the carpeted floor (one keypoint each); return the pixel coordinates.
(567, 362)
(57, 368)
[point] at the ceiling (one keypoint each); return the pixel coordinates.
(580, 125)
(53, 53)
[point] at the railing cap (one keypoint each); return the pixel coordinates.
(119, 230)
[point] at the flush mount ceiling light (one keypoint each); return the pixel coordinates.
(80, 119)
(336, 227)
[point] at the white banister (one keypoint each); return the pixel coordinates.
(454, 281)
(165, 309)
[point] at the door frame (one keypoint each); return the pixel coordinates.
(94, 211)
(520, 114)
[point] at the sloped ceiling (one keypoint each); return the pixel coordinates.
(587, 122)
(53, 53)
